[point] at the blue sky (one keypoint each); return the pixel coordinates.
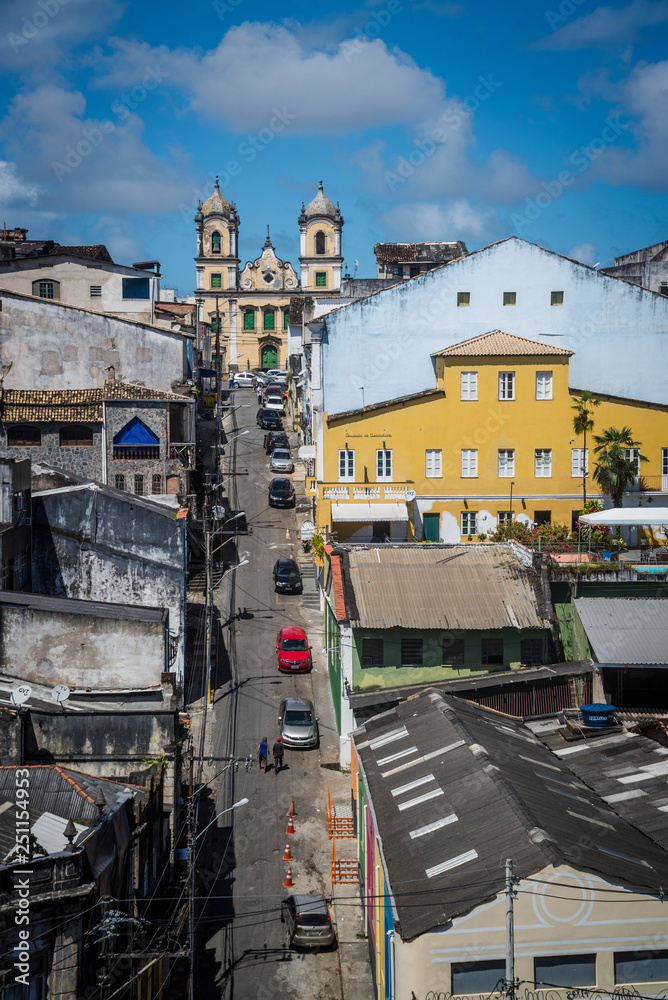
(427, 120)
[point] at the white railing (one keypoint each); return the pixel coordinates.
(395, 492)
(335, 493)
(366, 492)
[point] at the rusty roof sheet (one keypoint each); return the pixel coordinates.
(398, 253)
(441, 586)
(497, 343)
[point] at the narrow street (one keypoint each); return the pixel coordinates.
(242, 944)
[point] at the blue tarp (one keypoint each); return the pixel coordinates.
(136, 433)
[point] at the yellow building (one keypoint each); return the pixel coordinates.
(494, 438)
(249, 307)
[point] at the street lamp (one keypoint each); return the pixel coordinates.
(244, 562)
(237, 805)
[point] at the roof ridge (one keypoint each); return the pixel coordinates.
(72, 782)
(514, 338)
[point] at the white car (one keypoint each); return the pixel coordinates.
(277, 375)
(244, 378)
(275, 403)
(281, 461)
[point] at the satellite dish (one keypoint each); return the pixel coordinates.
(20, 694)
(410, 495)
(60, 693)
(176, 326)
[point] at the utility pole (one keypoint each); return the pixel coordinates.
(509, 985)
(219, 387)
(207, 518)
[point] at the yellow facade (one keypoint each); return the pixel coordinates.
(456, 451)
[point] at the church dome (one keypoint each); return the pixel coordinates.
(216, 204)
(320, 205)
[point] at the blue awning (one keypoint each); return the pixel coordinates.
(136, 433)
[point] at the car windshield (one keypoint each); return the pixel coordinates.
(294, 645)
(282, 454)
(283, 486)
(287, 572)
(298, 717)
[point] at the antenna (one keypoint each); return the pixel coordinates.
(20, 694)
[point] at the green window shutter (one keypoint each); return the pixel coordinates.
(320, 279)
(216, 281)
(286, 320)
(269, 321)
(249, 320)
(214, 326)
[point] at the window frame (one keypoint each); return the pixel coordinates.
(138, 481)
(458, 642)
(437, 454)
(540, 463)
(625, 957)
(469, 463)
(468, 386)
(320, 241)
(510, 298)
(131, 285)
(461, 970)
(346, 465)
(55, 289)
(556, 298)
(506, 386)
(509, 459)
(548, 383)
(216, 244)
(269, 314)
(488, 640)
(583, 459)
(468, 517)
(156, 478)
(633, 455)
(664, 461)
(82, 442)
(216, 280)
(374, 660)
(249, 319)
(119, 481)
(549, 960)
(463, 299)
(414, 658)
(36, 442)
(321, 279)
(382, 464)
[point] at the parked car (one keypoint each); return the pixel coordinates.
(244, 379)
(293, 650)
(281, 493)
(281, 461)
(261, 377)
(287, 577)
(308, 922)
(269, 419)
(275, 439)
(275, 403)
(277, 373)
(297, 723)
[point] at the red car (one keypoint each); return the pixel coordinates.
(294, 652)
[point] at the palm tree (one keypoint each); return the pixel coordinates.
(583, 422)
(614, 471)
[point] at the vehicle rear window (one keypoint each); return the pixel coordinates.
(294, 717)
(312, 919)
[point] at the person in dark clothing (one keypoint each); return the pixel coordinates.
(277, 751)
(263, 753)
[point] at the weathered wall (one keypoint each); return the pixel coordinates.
(82, 461)
(156, 417)
(386, 340)
(98, 546)
(82, 651)
(56, 346)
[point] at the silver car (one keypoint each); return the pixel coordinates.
(281, 461)
(308, 920)
(297, 723)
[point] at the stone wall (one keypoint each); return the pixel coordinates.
(82, 461)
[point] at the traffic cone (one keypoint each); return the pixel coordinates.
(291, 828)
(287, 856)
(289, 884)
(291, 811)
(287, 534)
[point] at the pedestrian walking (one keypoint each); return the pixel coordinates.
(259, 395)
(263, 753)
(277, 751)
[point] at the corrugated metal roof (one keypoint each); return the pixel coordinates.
(439, 586)
(497, 343)
(495, 791)
(626, 630)
(70, 606)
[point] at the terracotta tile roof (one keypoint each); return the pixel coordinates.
(337, 584)
(399, 253)
(67, 406)
(496, 343)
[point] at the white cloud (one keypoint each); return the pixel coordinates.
(605, 26)
(11, 188)
(427, 221)
(586, 252)
(258, 68)
(85, 164)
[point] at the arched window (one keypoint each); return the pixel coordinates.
(24, 436)
(215, 243)
(136, 442)
(76, 436)
(320, 240)
(46, 289)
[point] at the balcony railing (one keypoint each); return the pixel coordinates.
(364, 492)
(652, 484)
(184, 453)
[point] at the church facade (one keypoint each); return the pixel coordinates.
(248, 307)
